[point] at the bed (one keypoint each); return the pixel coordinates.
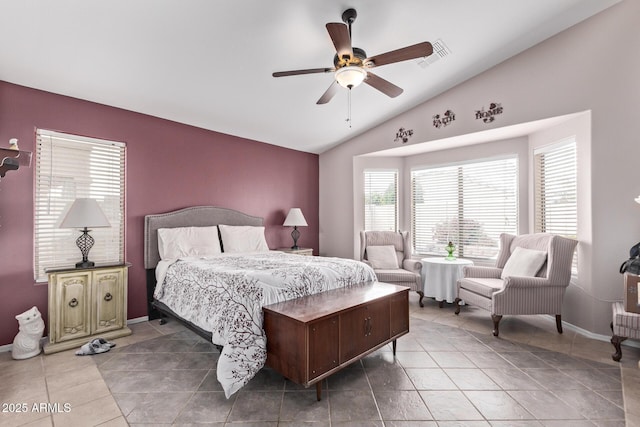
(221, 295)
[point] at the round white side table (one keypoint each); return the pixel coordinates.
(440, 276)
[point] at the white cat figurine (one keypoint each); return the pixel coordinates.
(27, 343)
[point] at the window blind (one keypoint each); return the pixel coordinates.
(380, 200)
(469, 204)
(556, 190)
(69, 167)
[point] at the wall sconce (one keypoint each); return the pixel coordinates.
(12, 158)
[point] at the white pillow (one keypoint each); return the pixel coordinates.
(243, 238)
(382, 257)
(524, 262)
(183, 242)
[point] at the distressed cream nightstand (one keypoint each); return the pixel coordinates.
(85, 303)
(299, 251)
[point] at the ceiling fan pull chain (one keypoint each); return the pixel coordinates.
(349, 109)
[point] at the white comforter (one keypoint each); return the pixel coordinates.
(225, 294)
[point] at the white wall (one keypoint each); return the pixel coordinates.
(591, 66)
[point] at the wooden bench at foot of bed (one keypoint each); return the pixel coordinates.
(312, 337)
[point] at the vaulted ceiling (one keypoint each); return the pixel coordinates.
(209, 63)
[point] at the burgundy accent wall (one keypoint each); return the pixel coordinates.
(169, 166)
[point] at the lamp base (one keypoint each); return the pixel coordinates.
(85, 243)
(85, 264)
(295, 234)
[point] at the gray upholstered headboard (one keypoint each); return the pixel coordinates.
(196, 216)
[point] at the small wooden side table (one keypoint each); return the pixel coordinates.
(85, 303)
(299, 251)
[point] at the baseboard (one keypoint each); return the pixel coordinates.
(43, 340)
(137, 320)
(589, 334)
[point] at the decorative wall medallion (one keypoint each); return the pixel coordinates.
(404, 135)
(444, 120)
(489, 115)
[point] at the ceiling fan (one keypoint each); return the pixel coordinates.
(351, 66)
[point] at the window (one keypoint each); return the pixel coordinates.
(469, 204)
(555, 190)
(380, 200)
(68, 167)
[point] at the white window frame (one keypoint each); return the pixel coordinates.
(561, 183)
(369, 210)
(69, 167)
(447, 217)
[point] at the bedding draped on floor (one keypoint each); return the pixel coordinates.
(224, 294)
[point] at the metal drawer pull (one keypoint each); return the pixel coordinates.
(367, 326)
(73, 302)
(108, 297)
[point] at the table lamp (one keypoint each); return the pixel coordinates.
(85, 213)
(295, 219)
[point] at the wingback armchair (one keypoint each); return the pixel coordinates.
(402, 270)
(540, 292)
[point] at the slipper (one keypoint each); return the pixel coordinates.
(103, 342)
(92, 347)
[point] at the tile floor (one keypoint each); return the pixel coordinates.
(449, 371)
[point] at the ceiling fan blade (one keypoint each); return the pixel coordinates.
(382, 85)
(326, 97)
(410, 52)
(339, 34)
(298, 72)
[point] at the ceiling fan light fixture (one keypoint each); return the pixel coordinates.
(350, 76)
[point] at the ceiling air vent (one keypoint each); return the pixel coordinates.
(440, 50)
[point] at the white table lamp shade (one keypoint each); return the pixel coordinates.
(85, 212)
(637, 199)
(295, 218)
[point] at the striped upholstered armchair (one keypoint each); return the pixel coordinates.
(389, 253)
(505, 289)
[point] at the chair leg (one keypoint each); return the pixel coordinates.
(456, 303)
(496, 321)
(421, 296)
(616, 340)
(559, 323)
